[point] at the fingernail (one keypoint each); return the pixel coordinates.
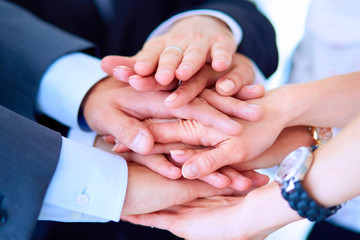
(234, 122)
(171, 97)
(115, 146)
(163, 120)
(222, 60)
(227, 85)
(253, 106)
(167, 71)
(177, 152)
(184, 66)
(190, 171)
(122, 67)
(250, 86)
(143, 62)
(174, 169)
(139, 141)
(135, 77)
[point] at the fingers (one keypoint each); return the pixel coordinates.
(198, 109)
(249, 92)
(257, 179)
(238, 181)
(194, 57)
(186, 92)
(232, 106)
(109, 63)
(158, 163)
(169, 61)
(147, 59)
(241, 74)
(148, 83)
(123, 73)
(131, 132)
(205, 163)
(222, 52)
(217, 179)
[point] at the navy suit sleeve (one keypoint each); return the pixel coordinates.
(29, 154)
(28, 46)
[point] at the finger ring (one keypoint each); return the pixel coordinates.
(173, 47)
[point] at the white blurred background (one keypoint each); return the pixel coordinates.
(288, 18)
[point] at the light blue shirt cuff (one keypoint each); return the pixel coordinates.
(88, 185)
(233, 25)
(65, 84)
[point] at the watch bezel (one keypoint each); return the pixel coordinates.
(294, 167)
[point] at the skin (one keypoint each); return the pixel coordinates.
(114, 108)
(287, 106)
(228, 176)
(200, 218)
(196, 40)
(234, 80)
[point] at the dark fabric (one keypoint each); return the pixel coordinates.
(133, 21)
(96, 231)
(28, 46)
(29, 154)
(328, 231)
(30, 40)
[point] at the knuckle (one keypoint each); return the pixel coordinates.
(210, 162)
(199, 36)
(192, 129)
(171, 51)
(236, 76)
(199, 101)
(195, 51)
(154, 43)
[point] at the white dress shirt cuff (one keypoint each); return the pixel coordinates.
(65, 84)
(88, 185)
(233, 25)
(85, 137)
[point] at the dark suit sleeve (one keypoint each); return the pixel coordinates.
(259, 41)
(28, 46)
(29, 154)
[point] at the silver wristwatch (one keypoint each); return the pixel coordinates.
(290, 174)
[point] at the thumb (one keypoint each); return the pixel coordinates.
(207, 162)
(109, 63)
(130, 132)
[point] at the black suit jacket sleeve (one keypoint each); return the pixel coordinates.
(131, 21)
(29, 154)
(28, 46)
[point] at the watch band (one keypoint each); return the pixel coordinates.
(306, 207)
(321, 135)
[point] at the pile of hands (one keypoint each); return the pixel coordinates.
(193, 127)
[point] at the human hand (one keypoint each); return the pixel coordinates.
(148, 191)
(164, 165)
(114, 108)
(226, 150)
(248, 217)
(185, 48)
(237, 79)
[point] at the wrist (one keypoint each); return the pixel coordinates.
(270, 217)
(291, 105)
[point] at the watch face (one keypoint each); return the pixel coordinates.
(291, 165)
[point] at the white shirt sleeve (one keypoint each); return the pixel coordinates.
(233, 25)
(89, 185)
(65, 84)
